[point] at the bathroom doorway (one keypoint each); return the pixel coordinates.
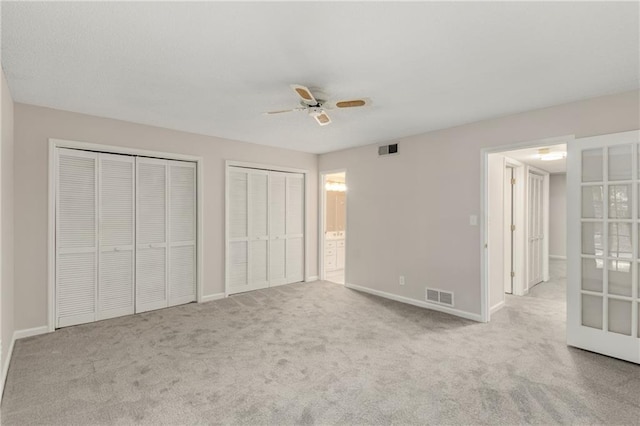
(334, 226)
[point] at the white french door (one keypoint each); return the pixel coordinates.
(603, 294)
(535, 229)
(265, 229)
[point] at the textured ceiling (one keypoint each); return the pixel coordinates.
(213, 68)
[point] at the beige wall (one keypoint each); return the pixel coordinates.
(34, 125)
(558, 215)
(409, 213)
(6, 222)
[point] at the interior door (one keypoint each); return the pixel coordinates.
(182, 232)
(116, 238)
(509, 228)
(536, 229)
(602, 208)
(76, 237)
(151, 239)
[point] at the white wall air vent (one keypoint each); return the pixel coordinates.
(440, 297)
(388, 149)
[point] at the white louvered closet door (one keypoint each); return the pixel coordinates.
(76, 237)
(151, 231)
(237, 230)
(182, 232)
(116, 200)
(258, 208)
(295, 228)
(277, 228)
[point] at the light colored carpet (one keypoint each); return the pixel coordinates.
(318, 353)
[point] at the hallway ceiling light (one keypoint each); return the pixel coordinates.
(545, 155)
(335, 186)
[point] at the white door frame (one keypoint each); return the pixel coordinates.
(87, 146)
(306, 224)
(322, 220)
(484, 203)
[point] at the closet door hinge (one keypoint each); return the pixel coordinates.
(513, 181)
(513, 274)
(513, 228)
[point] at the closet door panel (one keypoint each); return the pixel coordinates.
(182, 250)
(277, 228)
(277, 262)
(238, 230)
(151, 278)
(76, 289)
(151, 253)
(295, 228)
(76, 237)
(117, 227)
(258, 207)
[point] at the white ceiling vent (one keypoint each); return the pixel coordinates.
(439, 296)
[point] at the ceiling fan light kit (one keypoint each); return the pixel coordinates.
(316, 107)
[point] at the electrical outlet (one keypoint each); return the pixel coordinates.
(401, 279)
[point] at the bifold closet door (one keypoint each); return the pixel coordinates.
(76, 237)
(116, 202)
(295, 228)
(151, 231)
(286, 219)
(247, 211)
(277, 228)
(182, 234)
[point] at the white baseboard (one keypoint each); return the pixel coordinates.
(21, 334)
(415, 302)
(311, 279)
(210, 297)
(18, 334)
(5, 366)
(496, 307)
(557, 257)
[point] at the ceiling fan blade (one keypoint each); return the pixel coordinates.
(352, 103)
(305, 94)
(283, 110)
(322, 118)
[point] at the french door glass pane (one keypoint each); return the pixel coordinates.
(620, 162)
(592, 238)
(620, 277)
(592, 206)
(620, 201)
(620, 240)
(620, 316)
(592, 165)
(592, 311)
(592, 274)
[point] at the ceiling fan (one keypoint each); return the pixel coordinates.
(316, 107)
